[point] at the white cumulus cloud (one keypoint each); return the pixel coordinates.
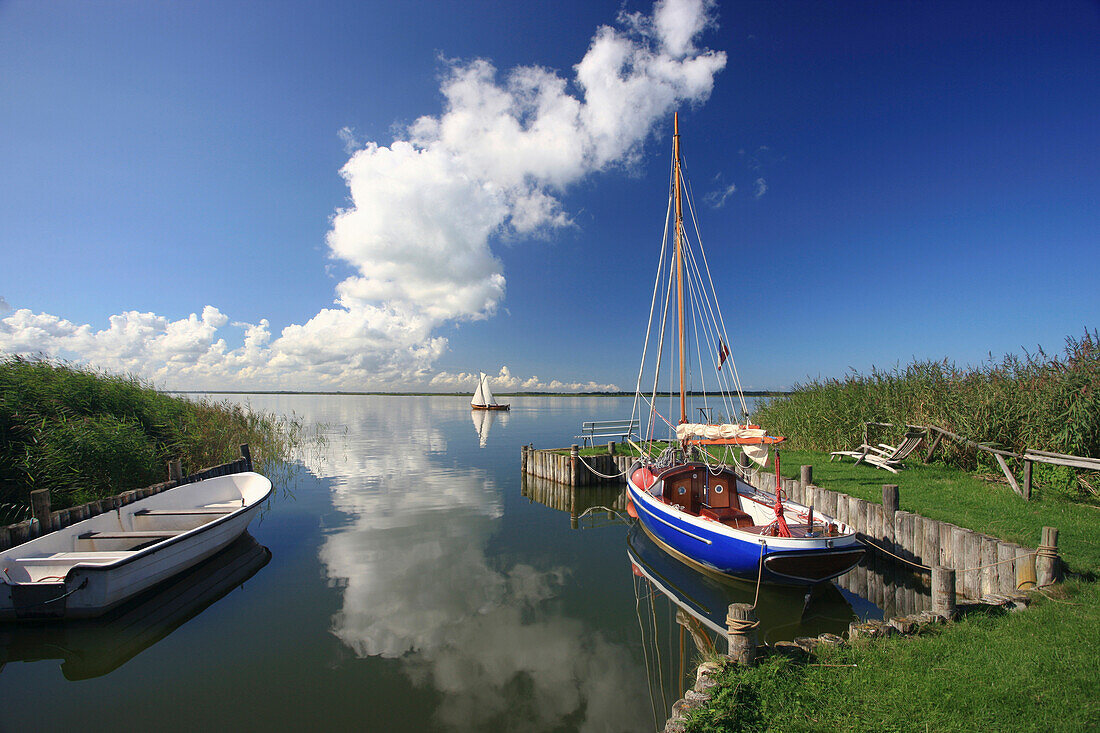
(422, 214)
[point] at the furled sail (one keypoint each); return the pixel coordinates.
(743, 435)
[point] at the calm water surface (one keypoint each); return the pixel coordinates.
(407, 579)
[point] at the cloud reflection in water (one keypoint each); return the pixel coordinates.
(418, 586)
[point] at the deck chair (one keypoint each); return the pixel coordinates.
(883, 456)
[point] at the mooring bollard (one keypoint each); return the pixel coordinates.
(1048, 566)
(741, 626)
(611, 447)
(943, 592)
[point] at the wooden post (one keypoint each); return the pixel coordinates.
(40, 508)
(943, 592)
(1048, 568)
(1006, 567)
(574, 455)
(523, 460)
(1025, 569)
(931, 542)
(741, 631)
(611, 447)
(807, 476)
(891, 499)
(246, 454)
(947, 544)
(1027, 480)
(931, 448)
(175, 471)
(989, 563)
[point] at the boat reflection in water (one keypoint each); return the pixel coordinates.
(93, 647)
(675, 603)
(483, 422)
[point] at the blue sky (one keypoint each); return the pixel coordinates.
(911, 180)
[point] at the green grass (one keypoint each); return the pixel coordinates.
(84, 435)
(960, 497)
(1036, 670)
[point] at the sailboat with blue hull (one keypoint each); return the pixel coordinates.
(685, 490)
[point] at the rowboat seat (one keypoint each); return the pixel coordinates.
(129, 535)
(73, 557)
(181, 512)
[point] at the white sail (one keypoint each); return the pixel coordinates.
(485, 391)
(479, 395)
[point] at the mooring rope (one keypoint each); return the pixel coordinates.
(887, 552)
(589, 467)
(759, 574)
(1037, 553)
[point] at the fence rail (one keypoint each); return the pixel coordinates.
(1029, 456)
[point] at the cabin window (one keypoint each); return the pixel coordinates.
(682, 490)
(718, 488)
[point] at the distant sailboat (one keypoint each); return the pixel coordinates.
(483, 397)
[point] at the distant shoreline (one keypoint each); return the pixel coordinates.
(772, 393)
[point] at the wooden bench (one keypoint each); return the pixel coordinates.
(180, 512)
(59, 558)
(592, 429)
(129, 535)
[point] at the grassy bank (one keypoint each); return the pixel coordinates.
(84, 434)
(1033, 670)
(953, 495)
(1035, 401)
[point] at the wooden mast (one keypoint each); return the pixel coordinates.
(679, 257)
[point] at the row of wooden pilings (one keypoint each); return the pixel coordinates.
(45, 519)
(981, 565)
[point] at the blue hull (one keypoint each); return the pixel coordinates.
(742, 555)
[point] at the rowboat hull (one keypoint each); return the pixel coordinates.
(92, 566)
(490, 407)
(746, 554)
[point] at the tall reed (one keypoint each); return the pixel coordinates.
(85, 434)
(1034, 401)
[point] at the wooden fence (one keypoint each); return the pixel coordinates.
(46, 520)
(1029, 456)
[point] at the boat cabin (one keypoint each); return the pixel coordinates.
(697, 491)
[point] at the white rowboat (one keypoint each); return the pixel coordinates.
(89, 567)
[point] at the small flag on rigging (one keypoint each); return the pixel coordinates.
(723, 352)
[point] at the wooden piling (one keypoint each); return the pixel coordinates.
(988, 562)
(246, 454)
(931, 542)
(943, 592)
(806, 476)
(1006, 567)
(175, 471)
(902, 530)
(917, 538)
(891, 499)
(40, 509)
(1025, 569)
(1048, 566)
(741, 626)
(947, 546)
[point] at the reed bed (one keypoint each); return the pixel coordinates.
(85, 434)
(1038, 401)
